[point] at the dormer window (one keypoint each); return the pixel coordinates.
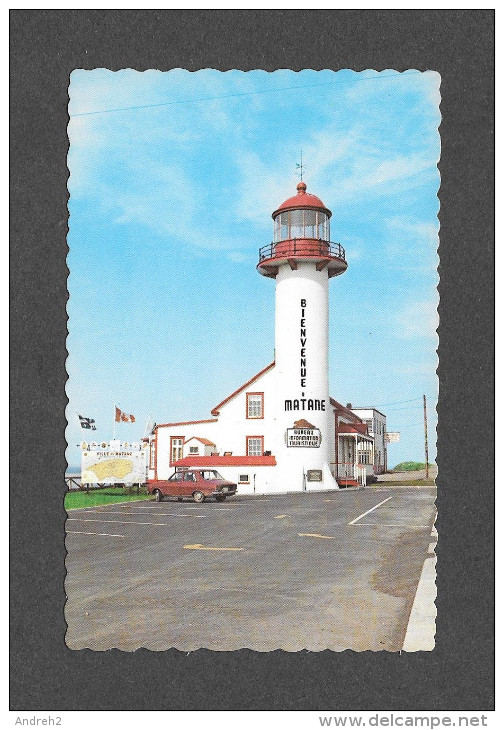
(255, 405)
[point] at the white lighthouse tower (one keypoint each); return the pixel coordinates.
(302, 259)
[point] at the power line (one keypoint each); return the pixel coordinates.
(398, 402)
(230, 96)
(407, 408)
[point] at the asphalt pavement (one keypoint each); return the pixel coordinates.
(328, 570)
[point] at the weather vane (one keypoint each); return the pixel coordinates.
(300, 167)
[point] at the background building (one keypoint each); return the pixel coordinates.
(376, 423)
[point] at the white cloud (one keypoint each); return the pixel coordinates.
(417, 370)
(411, 245)
(421, 233)
(418, 319)
(343, 165)
(239, 258)
(261, 186)
(375, 177)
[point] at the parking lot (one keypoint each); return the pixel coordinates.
(335, 570)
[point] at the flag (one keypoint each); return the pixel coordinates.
(150, 426)
(87, 423)
(121, 416)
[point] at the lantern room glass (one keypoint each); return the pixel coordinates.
(301, 223)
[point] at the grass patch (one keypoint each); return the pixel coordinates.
(411, 466)
(98, 497)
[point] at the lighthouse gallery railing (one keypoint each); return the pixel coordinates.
(302, 247)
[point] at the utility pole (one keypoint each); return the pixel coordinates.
(426, 438)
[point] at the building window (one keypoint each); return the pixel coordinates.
(243, 479)
(255, 405)
(152, 455)
(255, 445)
(193, 450)
(301, 223)
(369, 424)
(176, 445)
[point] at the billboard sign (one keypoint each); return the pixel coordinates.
(119, 465)
(393, 437)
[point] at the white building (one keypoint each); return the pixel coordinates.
(376, 423)
(281, 431)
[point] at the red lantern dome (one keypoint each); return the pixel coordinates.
(302, 200)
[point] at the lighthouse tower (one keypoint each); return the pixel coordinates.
(302, 259)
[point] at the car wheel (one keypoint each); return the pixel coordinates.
(179, 499)
(158, 496)
(220, 498)
(198, 496)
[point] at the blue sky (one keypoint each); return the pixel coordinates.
(173, 179)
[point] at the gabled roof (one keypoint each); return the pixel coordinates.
(205, 442)
(346, 412)
(186, 423)
(353, 428)
(208, 461)
(215, 411)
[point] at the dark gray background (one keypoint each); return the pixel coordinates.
(45, 46)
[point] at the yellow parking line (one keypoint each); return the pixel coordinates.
(314, 534)
(201, 547)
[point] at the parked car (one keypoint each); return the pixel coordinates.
(197, 484)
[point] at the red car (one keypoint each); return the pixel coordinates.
(195, 483)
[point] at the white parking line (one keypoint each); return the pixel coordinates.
(119, 522)
(368, 511)
(78, 532)
(125, 514)
(208, 508)
(198, 546)
(378, 524)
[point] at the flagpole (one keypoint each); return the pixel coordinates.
(81, 426)
(80, 423)
(146, 425)
(114, 427)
